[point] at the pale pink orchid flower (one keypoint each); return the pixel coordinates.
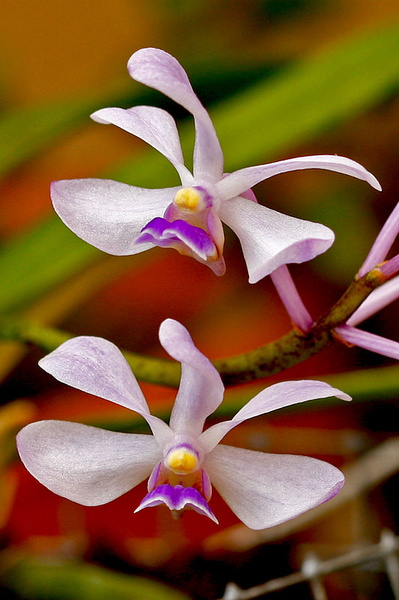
(181, 461)
(121, 219)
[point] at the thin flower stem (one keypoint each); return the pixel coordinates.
(291, 299)
(294, 347)
(274, 357)
(146, 368)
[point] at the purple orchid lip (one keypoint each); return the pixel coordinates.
(177, 498)
(164, 233)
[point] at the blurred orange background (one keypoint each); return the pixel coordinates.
(55, 52)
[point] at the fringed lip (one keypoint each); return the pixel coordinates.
(177, 498)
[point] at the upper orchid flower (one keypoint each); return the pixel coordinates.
(92, 466)
(121, 219)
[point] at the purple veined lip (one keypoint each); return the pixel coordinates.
(177, 498)
(164, 233)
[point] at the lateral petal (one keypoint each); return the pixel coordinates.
(264, 490)
(152, 125)
(85, 464)
(279, 395)
(239, 181)
(376, 301)
(108, 214)
(201, 389)
(98, 367)
(368, 341)
(270, 239)
(383, 243)
(161, 71)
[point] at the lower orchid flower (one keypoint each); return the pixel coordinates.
(121, 219)
(93, 466)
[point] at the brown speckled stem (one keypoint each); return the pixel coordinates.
(274, 357)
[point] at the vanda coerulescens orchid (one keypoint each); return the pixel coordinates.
(93, 466)
(121, 219)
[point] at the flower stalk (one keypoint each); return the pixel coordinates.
(274, 357)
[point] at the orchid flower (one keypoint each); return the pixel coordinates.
(121, 219)
(92, 466)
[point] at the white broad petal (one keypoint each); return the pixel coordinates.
(98, 367)
(108, 214)
(264, 490)
(84, 464)
(201, 388)
(152, 125)
(161, 71)
(376, 301)
(270, 239)
(368, 341)
(238, 182)
(279, 395)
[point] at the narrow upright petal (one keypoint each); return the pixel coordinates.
(238, 182)
(368, 341)
(160, 70)
(264, 490)
(383, 243)
(279, 395)
(270, 239)
(84, 464)
(154, 126)
(98, 367)
(108, 214)
(376, 301)
(201, 388)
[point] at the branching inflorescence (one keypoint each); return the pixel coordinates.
(182, 460)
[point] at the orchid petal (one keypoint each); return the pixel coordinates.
(235, 183)
(108, 214)
(85, 464)
(161, 71)
(383, 243)
(390, 268)
(177, 498)
(201, 388)
(154, 126)
(264, 490)
(368, 341)
(279, 395)
(98, 367)
(376, 301)
(270, 239)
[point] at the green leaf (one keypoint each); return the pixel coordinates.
(255, 125)
(38, 260)
(39, 580)
(25, 132)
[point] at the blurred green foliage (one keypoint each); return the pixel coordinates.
(57, 580)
